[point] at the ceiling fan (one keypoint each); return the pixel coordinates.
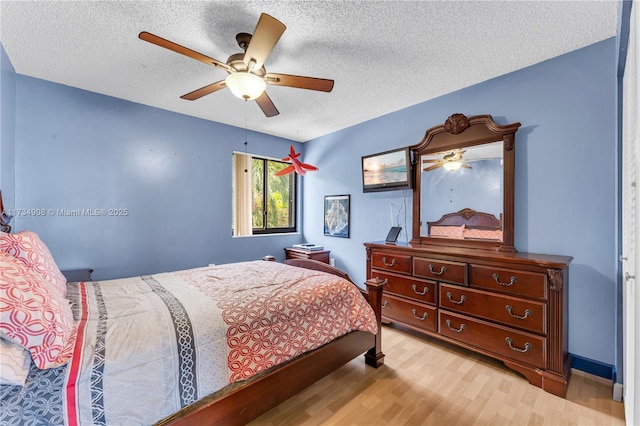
(247, 77)
(451, 161)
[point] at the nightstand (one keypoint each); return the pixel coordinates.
(77, 275)
(319, 255)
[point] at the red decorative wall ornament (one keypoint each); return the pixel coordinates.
(296, 165)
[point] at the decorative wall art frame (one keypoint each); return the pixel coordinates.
(336, 215)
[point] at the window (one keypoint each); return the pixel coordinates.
(263, 203)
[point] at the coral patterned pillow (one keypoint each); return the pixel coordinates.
(487, 234)
(34, 316)
(447, 231)
(27, 247)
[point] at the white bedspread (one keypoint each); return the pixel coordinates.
(148, 346)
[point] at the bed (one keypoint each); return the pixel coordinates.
(214, 345)
(466, 224)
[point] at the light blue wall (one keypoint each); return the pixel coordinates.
(565, 201)
(7, 127)
(79, 150)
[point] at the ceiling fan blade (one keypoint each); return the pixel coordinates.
(159, 41)
(210, 88)
(264, 38)
(266, 105)
(428, 169)
(300, 82)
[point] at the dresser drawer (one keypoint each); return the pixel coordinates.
(414, 314)
(391, 262)
(521, 313)
(440, 270)
(521, 283)
(419, 290)
(518, 345)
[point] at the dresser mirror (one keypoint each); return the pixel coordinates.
(464, 184)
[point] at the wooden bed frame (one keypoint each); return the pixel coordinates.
(470, 218)
(257, 396)
(242, 403)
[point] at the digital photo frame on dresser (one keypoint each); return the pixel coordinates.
(392, 236)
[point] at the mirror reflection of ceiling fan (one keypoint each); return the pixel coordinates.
(247, 77)
(451, 161)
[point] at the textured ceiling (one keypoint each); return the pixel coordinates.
(383, 55)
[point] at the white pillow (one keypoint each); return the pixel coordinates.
(15, 362)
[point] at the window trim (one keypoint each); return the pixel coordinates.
(293, 199)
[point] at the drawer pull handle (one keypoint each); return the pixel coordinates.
(527, 346)
(457, 330)
(496, 277)
(424, 316)
(457, 302)
(442, 270)
(390, 265)
(385, 303)
(424, 291)
(385, 281)
(527, 313)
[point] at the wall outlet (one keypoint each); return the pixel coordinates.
(332, 262)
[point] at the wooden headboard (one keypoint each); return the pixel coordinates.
(4, 217)
(467, 224)
(470, 218)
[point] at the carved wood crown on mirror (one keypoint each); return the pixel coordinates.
(461, 140)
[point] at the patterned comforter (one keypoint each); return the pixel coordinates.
(148, 346)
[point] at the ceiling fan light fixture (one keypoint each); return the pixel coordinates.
(246, 85)
(452, 166)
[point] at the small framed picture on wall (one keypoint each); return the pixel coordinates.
(336, 215)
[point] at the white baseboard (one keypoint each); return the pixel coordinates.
(617, 392)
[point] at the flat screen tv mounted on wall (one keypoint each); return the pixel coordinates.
(387, 170)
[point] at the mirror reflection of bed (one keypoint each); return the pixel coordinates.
(466, 224)
(458, 179)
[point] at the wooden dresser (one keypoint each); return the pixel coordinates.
(510, 306)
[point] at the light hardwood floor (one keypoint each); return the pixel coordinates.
(428, 382)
